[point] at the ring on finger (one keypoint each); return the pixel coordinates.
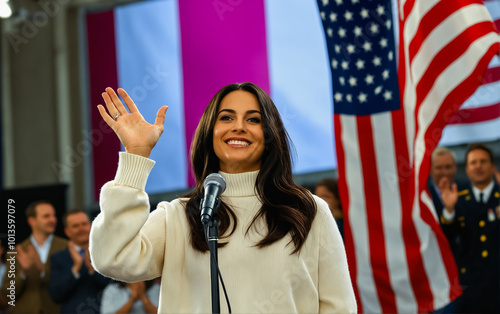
(116, 116)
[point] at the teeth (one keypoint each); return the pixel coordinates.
(234, 142)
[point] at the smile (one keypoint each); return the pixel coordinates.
(238, 142)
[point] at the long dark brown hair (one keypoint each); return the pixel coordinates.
(286, 207)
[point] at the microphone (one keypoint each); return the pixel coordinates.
(214, 185)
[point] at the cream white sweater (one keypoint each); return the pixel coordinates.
(130, 244)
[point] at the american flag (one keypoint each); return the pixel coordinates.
(478, 119)
(398, 257)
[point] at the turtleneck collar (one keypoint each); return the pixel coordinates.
(240, 184)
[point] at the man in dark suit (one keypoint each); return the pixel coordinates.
(473, 215)
(74, 282)
(33, 263)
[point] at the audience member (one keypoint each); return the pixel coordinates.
(443, 165)
(473, 215)
(32, 261)
(328, 190)
(74, 283)
(138, 297)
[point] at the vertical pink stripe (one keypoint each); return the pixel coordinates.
(102, 73)
(223, 42)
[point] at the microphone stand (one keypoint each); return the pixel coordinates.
(213, 237)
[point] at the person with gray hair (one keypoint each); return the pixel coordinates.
(443, 167)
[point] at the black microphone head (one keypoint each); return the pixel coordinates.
(215, 178)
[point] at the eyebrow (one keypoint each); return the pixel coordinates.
(232, 111)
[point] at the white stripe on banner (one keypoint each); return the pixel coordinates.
(485, 95)
(301, 81)
(392, 212)
(150, 69)
(455, 134)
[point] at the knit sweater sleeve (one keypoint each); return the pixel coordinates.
(127, 243)
(336, 294)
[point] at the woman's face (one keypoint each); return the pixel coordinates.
(238, 136)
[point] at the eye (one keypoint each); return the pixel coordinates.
(254, 120)
(225, 118)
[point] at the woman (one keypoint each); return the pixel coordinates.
(280, 249)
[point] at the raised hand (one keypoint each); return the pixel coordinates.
(137, 289)
(496, 175)
(449, 194)
(23, 258)
(137, 136)
(88, 261)
(75, 256)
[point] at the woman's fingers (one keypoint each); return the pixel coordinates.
(115, 101)
(109, 104)
(105, 116)
(160, 116)
(128, 101)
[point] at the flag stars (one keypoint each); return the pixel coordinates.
(385, 74)
(390, 55)
(335, 63)
(388, 24)
(378, 90)
(367, 46)
(337, 49)
(380, 10)
(383, 42)
(357, 31)
(333, 17)
(369, 79)
(362, 97)
(342, 80)
(345, 65)
(325, 2)
(351, 49)
(387, 95)
(348, 97)
(339, 2)
(353, 81)
(360, 64)
(377, 61)
(348, 15)
(322, 14)
(354, 1)
(342, 32)
(329, 32)
(337, 97)
(364, 13)
(374, 28)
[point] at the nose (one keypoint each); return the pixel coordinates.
(239, 126)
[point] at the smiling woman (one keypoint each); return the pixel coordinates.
(277, 238)
(238, 135)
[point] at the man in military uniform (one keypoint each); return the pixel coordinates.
(473, 216)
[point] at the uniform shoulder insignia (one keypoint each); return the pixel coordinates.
(497, 194)
(463, 192)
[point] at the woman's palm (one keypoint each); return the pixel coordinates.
(136, 134)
